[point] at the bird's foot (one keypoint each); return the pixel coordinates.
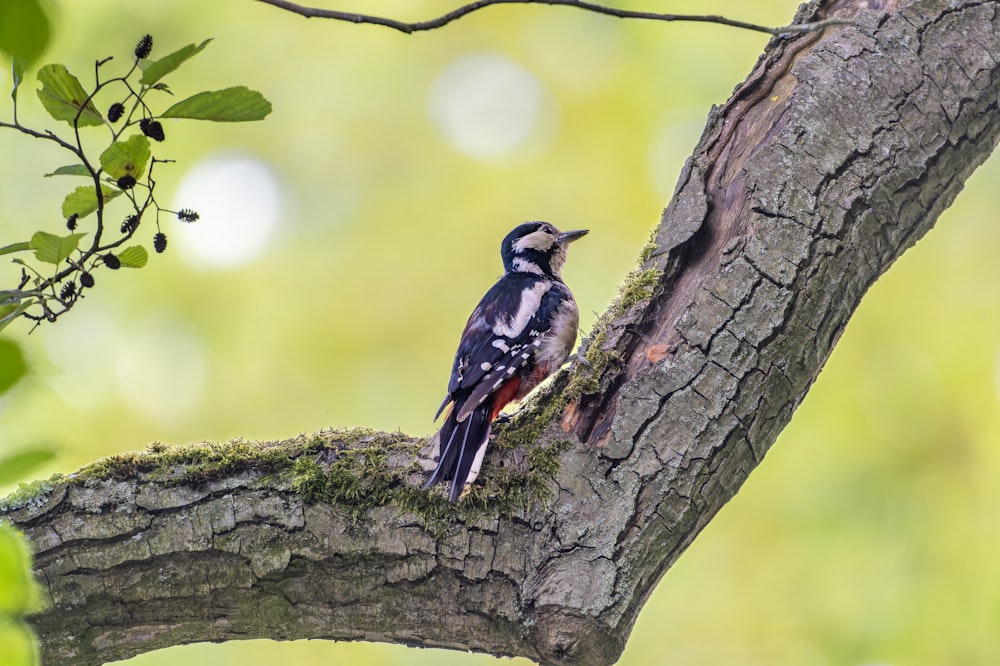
(503, 419)
(581, 359)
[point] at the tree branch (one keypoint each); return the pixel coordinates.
(465, 10)
(837, 153)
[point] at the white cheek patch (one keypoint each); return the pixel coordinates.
(538, 240)
(530, 298)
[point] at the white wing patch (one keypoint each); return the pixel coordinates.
(530, 299)
(491, 381)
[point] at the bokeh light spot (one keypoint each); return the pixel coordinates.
(80, 349)
(161, 369)
(486, 106)
(239, 201)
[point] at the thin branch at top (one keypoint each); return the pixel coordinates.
(454, 15)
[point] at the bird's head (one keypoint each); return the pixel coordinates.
(537, 247)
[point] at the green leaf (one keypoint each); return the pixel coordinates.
(232, 105)
(10, 312)
(15, 573)
(157, 69)
(8, 297)
(126, 158)
(134, 256)
(17, 74)
(70, 170)
(24, 30)
(63, 96)
(20, 647)
(12, 368)
(53, 249)
(83, 200)
(15, 247)
(15, 565)
(20, 465)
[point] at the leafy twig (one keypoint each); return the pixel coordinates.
(125, 167)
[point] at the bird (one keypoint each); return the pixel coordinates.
(521, 332)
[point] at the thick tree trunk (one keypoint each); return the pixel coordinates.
(838, 152)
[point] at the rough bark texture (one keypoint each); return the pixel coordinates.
(838, 152)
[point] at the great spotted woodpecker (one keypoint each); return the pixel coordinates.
(521, 332)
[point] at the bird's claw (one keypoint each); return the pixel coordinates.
(503, 419)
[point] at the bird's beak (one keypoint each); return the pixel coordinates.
(567, 237)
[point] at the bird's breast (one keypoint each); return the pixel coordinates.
(560, 338)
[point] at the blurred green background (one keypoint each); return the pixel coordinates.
(321, 289)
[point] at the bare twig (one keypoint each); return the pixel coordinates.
(464, 10)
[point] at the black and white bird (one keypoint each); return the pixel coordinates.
(521, 332)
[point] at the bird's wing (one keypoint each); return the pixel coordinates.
(512, 346)
(487, 323)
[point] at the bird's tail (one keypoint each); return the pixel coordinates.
(462, 445)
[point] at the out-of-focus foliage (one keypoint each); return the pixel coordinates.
(12, 365)
(344, 241)
(25, 29)
(18, 594)
(17, 466)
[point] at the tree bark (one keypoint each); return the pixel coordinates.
(837, 153)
